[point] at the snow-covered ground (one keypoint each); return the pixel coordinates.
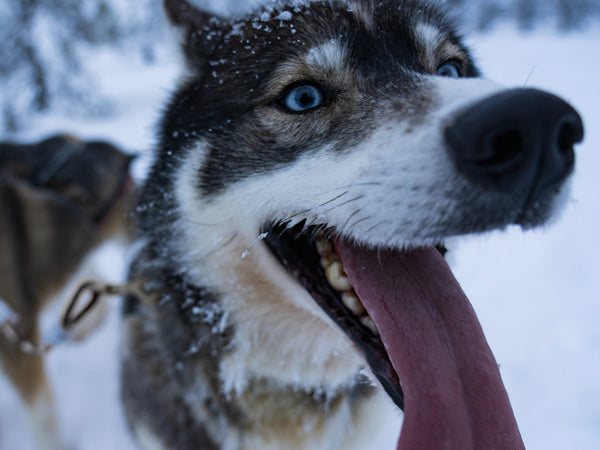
(536, 293)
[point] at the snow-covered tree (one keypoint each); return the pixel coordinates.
(574, 13)
(41, 47)
(527, 12)
(568, 14)
(42, 42)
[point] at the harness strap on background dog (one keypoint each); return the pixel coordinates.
(87, 295)
(90, 292)
(56, 162)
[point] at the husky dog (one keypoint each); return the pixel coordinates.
(310, 164)
(59, 199)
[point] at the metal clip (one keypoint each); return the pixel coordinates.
(86, 296)
(92, 291)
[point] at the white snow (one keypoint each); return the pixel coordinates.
(285, 15)
(537, 293)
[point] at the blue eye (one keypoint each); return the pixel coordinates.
(303, 98)
(450, 70)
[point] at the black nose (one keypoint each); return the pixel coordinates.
(517, 142)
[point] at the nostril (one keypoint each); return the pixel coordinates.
(504, 149)
(569, 133)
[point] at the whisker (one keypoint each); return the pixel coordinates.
(346, 202)
(378, 224)
(466, 8)
(332, 200)
(359, 221)
(202, 224)
(366, 183)
(289, 218)
(308, 210)
(219, 247)
(529, 76)
(350, 218)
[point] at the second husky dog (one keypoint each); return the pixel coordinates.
(310, 164)
(59, 199)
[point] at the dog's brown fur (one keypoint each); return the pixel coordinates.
(59, 199)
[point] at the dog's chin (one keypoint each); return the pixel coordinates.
(405, 311)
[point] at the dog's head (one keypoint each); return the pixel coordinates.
(66, 197)
(353, 138)
(91, 178)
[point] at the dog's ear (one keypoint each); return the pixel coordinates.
(198, 29)
(182, 14)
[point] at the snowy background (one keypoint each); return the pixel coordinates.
(537, 293)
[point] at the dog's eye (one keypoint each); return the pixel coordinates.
(303, 98)
(451, 69)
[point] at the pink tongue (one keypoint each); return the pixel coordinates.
(454, 396)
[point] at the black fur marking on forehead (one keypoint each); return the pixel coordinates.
(232, 63)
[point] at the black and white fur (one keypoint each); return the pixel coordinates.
(234, 353)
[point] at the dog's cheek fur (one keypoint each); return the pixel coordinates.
(259, 295)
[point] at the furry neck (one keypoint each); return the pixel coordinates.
(173, 361)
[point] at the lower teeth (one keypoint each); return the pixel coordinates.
(339, 280)
(337, 277)
(368, 323)
(352, 302)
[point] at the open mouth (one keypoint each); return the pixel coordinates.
(408, 315)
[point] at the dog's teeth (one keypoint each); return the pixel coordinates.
(368, 323)
(352, 302)
(328, 260)
(337, 277)
(324, 246)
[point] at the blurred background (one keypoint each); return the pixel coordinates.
(104, 68)
(45, 44)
